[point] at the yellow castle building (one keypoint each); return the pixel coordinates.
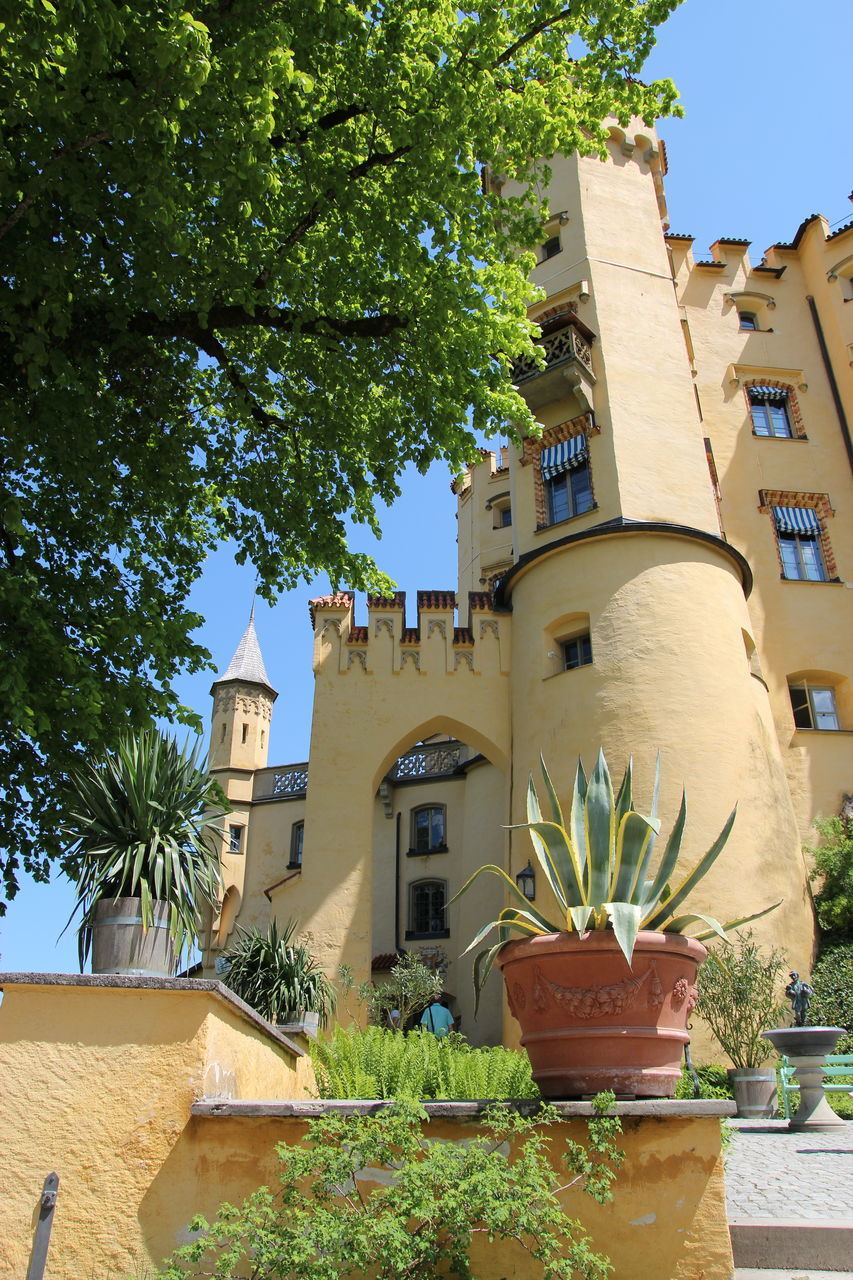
(667, 568)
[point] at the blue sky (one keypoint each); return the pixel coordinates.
(763, 144)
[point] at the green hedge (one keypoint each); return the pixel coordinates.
(832, 980)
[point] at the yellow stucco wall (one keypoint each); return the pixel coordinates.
(96, 1084)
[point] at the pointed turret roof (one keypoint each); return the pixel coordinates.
(247, 664)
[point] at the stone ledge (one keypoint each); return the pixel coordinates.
(824, 1244)
(655, 1108)
(118, 981)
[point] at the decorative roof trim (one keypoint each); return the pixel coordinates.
(620, 527)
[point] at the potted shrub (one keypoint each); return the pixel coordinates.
(279, 978)
(739, 999)
(603, 991)
(141, 852)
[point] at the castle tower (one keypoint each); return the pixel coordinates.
(630, 622)
(239, 743)
(242, 709)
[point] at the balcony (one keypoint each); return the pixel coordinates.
(567, 368)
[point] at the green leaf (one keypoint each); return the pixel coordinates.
(625, 918)
(658, 919)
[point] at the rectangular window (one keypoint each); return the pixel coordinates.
(427, 916)
(801, 557)
(235, 839)
(813, 707)
(770, 412)
(569, 494)
(505, 517)
(577, 652)
(551, 247)
(297, 832)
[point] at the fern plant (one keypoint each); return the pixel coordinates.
(379, 1063)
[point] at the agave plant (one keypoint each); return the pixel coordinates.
(278, 977)
(137, 824)
(599, 868)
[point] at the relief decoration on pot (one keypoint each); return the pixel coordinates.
(597, 1001)
(681, 991)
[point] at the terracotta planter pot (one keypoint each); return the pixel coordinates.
(589, 1021)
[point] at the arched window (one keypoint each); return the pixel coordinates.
(429, 830)
(427, 916)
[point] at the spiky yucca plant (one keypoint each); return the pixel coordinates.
(599, 868)
(137, 823)
(277, 976)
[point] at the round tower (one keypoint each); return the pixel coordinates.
(242, 709)
(630, 625)
(239, 744)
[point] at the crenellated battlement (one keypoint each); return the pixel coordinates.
(441, 643)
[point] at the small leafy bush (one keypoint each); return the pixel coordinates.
(277, 976)
(739, 997)
(379, 1063)
(330, 1219)
(833, 868)
(832, 1002)
(713, 1082)
(410, 987)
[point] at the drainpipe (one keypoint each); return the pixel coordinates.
(397, 885)
(833, 385)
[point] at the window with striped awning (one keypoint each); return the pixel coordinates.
(564, 456)
(776, 394)
(801, 520)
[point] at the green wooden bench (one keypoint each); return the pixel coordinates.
(836, 1065)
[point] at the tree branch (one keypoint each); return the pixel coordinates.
(229, 316)
(329, 121)
(19, 211)
(329, 196)
(509, 54)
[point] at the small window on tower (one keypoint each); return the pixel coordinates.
(235, 839)
(222, 735)
(577, 652)
(245, 737)
(747, 319)
(551, 247)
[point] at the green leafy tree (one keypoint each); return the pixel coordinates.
(833, 870)
(250, 271)
(326, 1221)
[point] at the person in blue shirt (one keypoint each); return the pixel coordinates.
(437, 1018)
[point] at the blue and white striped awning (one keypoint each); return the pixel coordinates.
(797, 520)
(563, 457)
(767, 395)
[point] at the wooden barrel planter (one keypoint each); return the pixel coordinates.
(121, 945)
(755, 1092)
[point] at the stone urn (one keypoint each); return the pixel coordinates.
(590, 1021)
(806, 1049)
